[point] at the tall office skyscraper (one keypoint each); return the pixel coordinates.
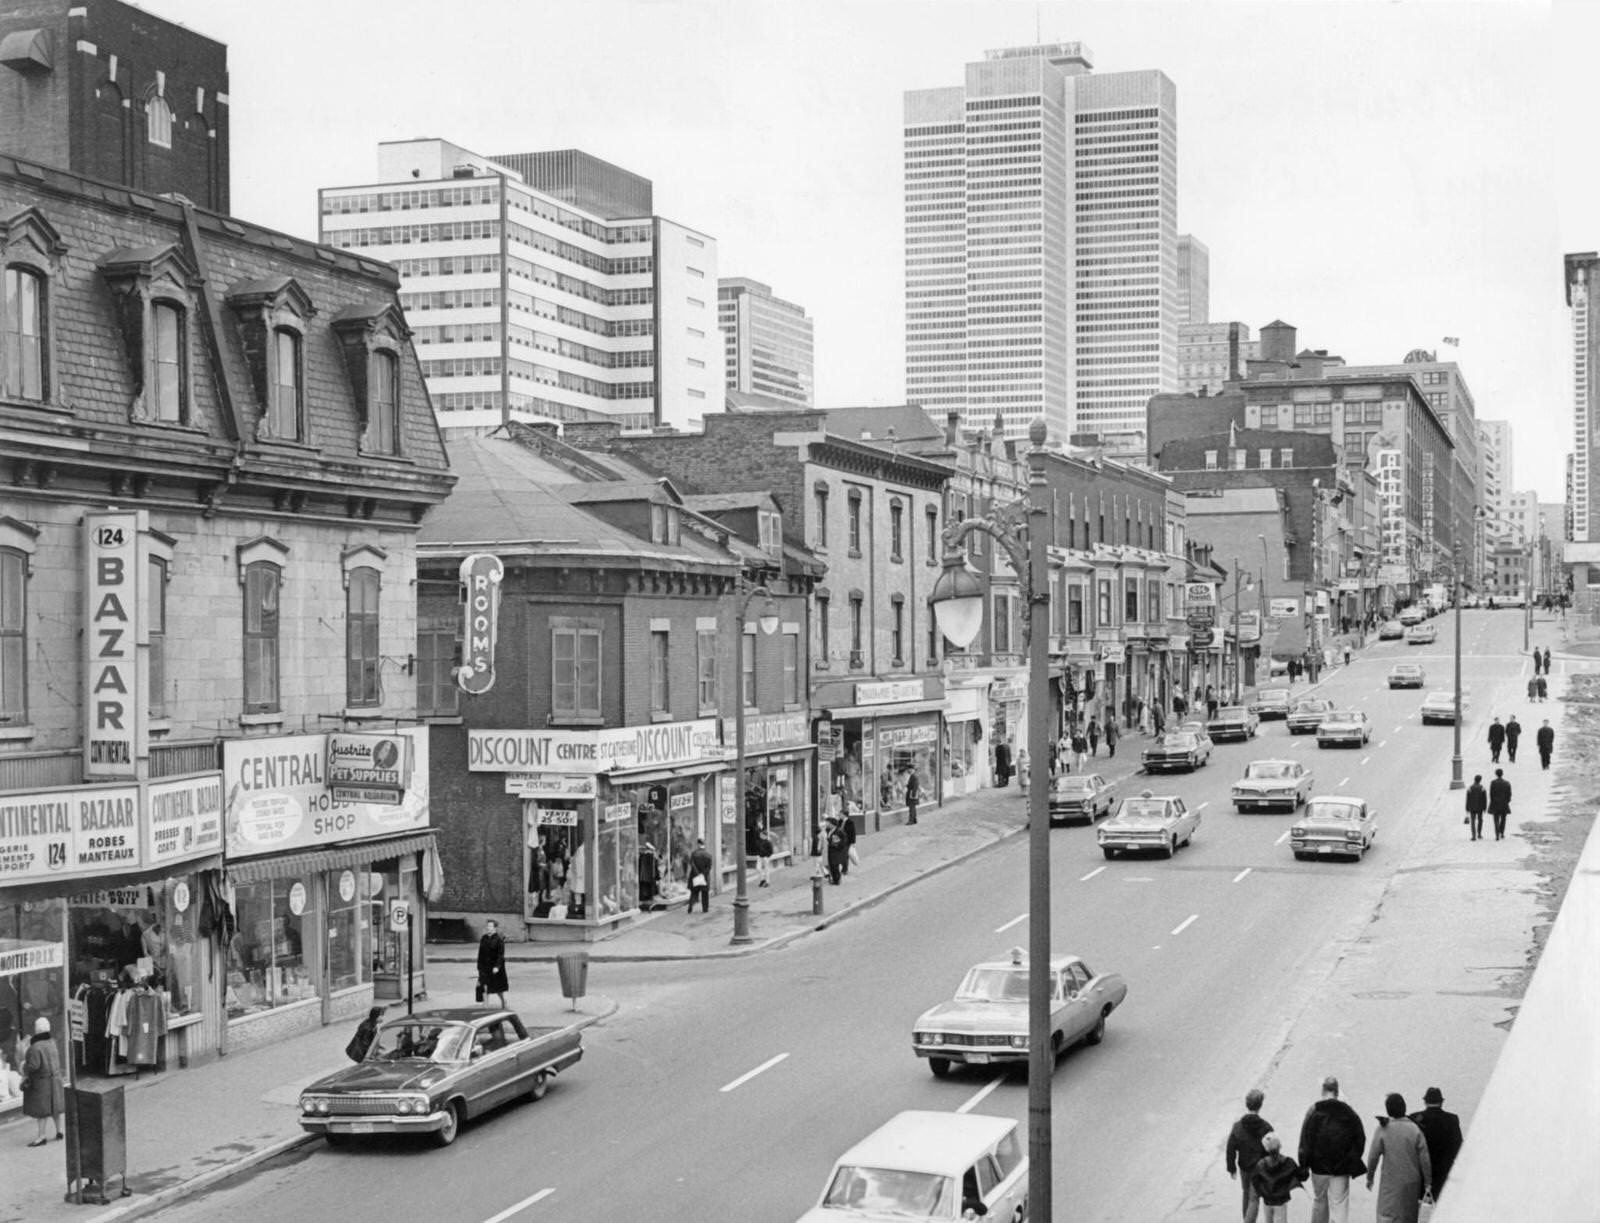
(1041, 243)
(767, 341)
(1583, 287)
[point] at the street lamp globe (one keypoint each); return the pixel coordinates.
(957, 599)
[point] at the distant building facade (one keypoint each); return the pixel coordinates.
(1212, 354)
(768, 342)
(1583, 305)
(1194, 281)
(556, 303)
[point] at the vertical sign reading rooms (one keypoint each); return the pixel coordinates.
(480, 592)
(114, 701)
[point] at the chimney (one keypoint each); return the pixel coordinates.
(952, 428)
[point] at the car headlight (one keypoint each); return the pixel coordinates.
(308, 1104)
(931, 1038)
(1297, 832)
(1352, 835)
(1019, 1042)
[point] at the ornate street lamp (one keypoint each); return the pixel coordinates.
(958, 605)
(768, 623)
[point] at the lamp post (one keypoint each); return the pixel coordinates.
(768, 623)
(1238, 665)
(1456, 779)
(957, 597)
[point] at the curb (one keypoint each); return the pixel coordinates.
(161, 1199)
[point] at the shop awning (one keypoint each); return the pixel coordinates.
(65, 888)
(691, 768)
(337, 857)
(843, 712)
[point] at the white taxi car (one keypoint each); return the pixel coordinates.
(1336, 826)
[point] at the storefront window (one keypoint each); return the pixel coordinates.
(851, 773)
(557, 861)
(668, 818)
(902, 751)
(617, 861)
(769, 795)
(960, 755)
(267, 962)
(349, 908)
(25, 996)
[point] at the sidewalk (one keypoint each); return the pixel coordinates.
(188, 1129)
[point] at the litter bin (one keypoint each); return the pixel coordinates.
(97, 1142)
(573, 968)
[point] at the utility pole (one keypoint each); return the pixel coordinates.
(1238, 668)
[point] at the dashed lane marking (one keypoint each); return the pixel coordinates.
(1014, 921)
(1364, 759)
(1381, 742)
(1242, 874)
(1203, 805)
(750, 1074)
(1346, 780)
(1090, 875)
(520, 1206)
(982, 1093)
(1186, 923)
(1283, 838)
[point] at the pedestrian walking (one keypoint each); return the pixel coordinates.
(1275, 1177)
(1499, 803)
(1080, 750)
(1497, 740)
(1002, 764)
(1158, 720)
(1546, 740)
(700, 876)
(1093, 731)
(1400, 1153)
(1244, 1150)
(1547, 660)
(1442, 1132)
(838, 849)
(913, 796)
(1538, 661)
(848, 828)
(1533, 688)
(1111, 736)
(1179, 705)
(1477, 804)
(44, 1098)
(366, 1033)
(1331, 1139)
(1513, 734)
(492, 964)
(1347, 654)
(764, 849)
(1064, 752)
(1544, 688)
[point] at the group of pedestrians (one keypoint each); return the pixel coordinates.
(1409, 1157)
(1081, 741)
(1496, 800)
(1539, 684)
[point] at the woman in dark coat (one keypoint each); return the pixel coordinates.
(492, 962)
(366, 1033)
(838, 848)
(43, 1095)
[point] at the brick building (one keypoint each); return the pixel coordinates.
(114, 93)
(570, 794)
(216, 451)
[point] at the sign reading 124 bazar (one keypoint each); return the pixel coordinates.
(113, 672)
(279, 796)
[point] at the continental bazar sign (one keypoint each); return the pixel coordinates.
(592, 751)
(90, 831)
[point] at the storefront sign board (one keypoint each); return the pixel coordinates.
(766, 731)
(555, 817)
(889, 692)
(592, 751)
(481, 574)
(114, 673)
(373, 768)
(183, 819)
(22, 955)
(682, 802)
(69, 834)
(278, 796)
(1283, 607)
(618, 813)
(551, 785)
(905, 736)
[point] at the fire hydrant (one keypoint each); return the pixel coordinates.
(816, 892)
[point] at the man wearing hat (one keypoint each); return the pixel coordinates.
(1442, 1132)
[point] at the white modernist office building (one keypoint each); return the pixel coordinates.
(768, 342)
(539, 286)
(1041, 243)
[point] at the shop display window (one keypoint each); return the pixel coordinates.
(769, 797)
(617, 862)
(850, 775)
(902, 751)
(268, 960)
(349, 926)
(668, 823)
(25, 996)
(389, 879)
(557, 857)
(960, 749)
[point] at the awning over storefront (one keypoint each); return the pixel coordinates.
(337, 857)
(96, 883)
(885, 711)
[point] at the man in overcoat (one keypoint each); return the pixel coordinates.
(1442, 1132)
(1513, 735)
(1546, 739)
(1499, 803)
(1497, 740)
(1477, 804)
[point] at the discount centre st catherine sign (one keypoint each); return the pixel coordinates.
(592, 751)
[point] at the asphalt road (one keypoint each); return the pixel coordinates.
(723, 1090)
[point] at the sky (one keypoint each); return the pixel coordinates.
(1381, 175)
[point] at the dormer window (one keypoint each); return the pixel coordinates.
(771, 527)
(286, 384)
(168, 367)
(383, 405)
(154, 289)
(372, 340)
(273, 314)
(30, 257)
(664, 526)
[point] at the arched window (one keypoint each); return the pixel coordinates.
(286, 385)
(24, 324)
(158, 121)
(262, 581)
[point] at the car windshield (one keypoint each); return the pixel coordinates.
(916, 1195)
(1269, 769)
(1327, 810)
(1406, 668)
(1342, 715)
(994, 985)
(432, 1041)
(1180, 739)
(1441, 698)
(1231, 712)
(1143, 808)
(1273, 696)
(1074, 785)
(1311, 706)
(1190, 728)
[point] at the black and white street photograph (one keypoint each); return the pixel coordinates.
(775, 612)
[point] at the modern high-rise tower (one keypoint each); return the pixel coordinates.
(768, 341)
(1041, 243)
(1583, 292)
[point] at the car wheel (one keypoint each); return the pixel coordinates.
(1171, 846)
(337, 1140)
(940, 1066)
(1096, 1033)
(446, 1133)
(1298, 856)
(1058, 1046)
(1108, 852)
(541, 1085)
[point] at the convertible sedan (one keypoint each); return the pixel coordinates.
(1307, 715)
(1182, 749)
(1079, 796)
(1331, 827)
(986, 1023)
(1272, 783)
(1233, 722)
(1149, 822)
(1349, 726)
(1441, 707)
(1422, 634)
(427, 1073)
(1407, 675)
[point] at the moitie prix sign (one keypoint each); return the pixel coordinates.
(480, 593)
(115, 670)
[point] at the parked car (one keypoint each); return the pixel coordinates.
(919, 1164)
(986, 1023)
(1271, 703)
(1348, 726)
(1161, 823)
(1307, 715)
(1407, 675)
(1441, 707)
(1180, 749)
(1272, 783)
(1233, 722)
(1335, 826)
(1391, 630)
(1411, 615)
(1079, 796)
(1422, 634)
(427, 1073)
